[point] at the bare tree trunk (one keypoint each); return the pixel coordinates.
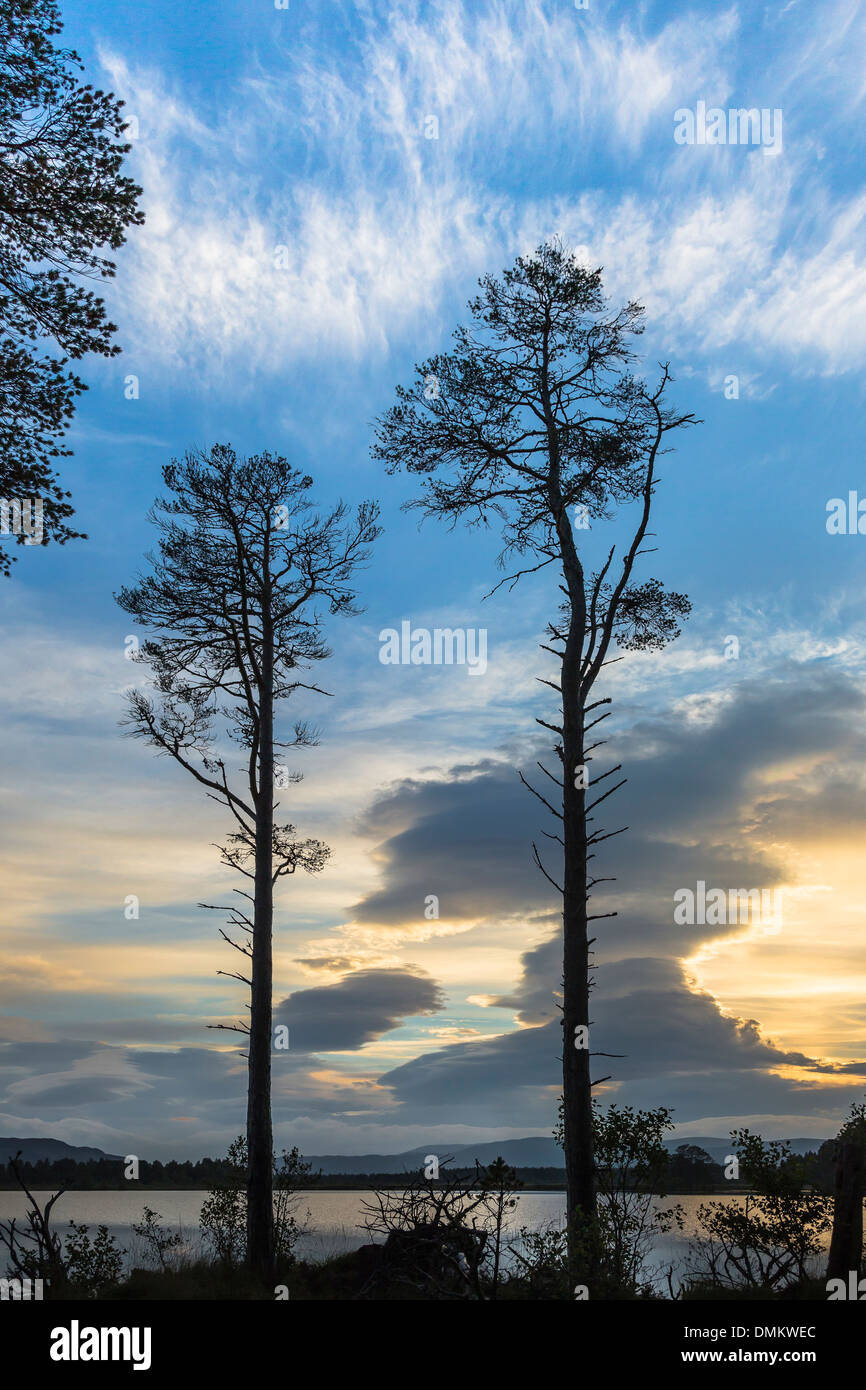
(576, 1082)
(846, 1244)
(260, 1210)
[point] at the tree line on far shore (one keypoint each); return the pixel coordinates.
(690, 1169)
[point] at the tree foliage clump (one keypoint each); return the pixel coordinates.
(64, 203)
(769, 1238)
(223, 1215)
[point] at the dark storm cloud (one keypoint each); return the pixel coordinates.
(834, 809)
(533, 997)
(467, 838)
(137, 1092)
(646, 1009)
(193, 1099)
(510, 1080)
(702, 770)
(689, 805)
(60, 1076)
(676, 1043)
(357, 1010)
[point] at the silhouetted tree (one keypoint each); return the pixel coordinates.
(691, 1169)
(768, 1238)
(230, 604)
(63, 198)
(534, 421)
(501, 1181)
(849, 1153)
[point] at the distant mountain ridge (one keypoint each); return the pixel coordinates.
(718, 1149)
(532, 1152)
(49, 1151)
(539, 1152)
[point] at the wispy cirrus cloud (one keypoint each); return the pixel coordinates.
(363, 230)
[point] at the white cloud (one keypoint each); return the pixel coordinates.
(390, 222)
(326, 158)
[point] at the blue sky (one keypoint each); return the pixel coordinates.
(307, 129)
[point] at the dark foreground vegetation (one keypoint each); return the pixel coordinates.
(348, 1277)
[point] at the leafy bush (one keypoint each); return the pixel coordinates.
(542, 1261)
(158, 1240)
(92, 1265)
(224, 1211)
(766, 1239)
(632, 1165)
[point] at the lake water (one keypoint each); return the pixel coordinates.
(335, 1218)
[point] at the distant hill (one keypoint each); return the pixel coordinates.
(718, 1149)
(49, 1151)
(538, 1152)
(521, 1153)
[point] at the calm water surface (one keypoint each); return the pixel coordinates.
(335, 1221)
